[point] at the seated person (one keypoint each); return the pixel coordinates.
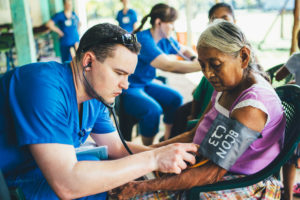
(243, 102)
(146, 100)
(289, 169)
(203, 92)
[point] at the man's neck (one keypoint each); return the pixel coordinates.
(81, 94)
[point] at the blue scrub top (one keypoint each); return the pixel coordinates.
(68, 26)
(144, 72)
(38, 105)
(127, 21)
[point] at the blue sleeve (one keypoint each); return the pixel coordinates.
(39, 109)
(149, 50)
(77, 18)
(103, 123)
(176, 44)
(119, 17)
(56, 18)
(134, 16)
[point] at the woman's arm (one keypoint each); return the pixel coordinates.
(167, 63)
(51, 25)
(207, 174)
(188, 52)
(281, 73)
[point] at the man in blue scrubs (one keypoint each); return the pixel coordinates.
(66, 24)
(49, 109)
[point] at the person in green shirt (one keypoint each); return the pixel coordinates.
(185, 115)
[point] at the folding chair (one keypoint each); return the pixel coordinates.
(290, 97)
(4, 192)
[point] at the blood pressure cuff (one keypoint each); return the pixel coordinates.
(226, 140)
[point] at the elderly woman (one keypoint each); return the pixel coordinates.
(243, 103)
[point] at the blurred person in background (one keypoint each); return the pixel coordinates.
(127, 17)
(144, 99)
(66, 25)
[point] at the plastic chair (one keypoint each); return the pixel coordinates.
(272, 72)
(290, 97)
(11, 193)
(4, 192)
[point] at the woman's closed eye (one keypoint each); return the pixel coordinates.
(202, 65)
(215, 66)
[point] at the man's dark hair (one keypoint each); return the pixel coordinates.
(94, 40)
(220, 5)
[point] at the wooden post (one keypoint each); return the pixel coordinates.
(45, 14)
(188, 13)
(80, 9)
(294, 45)
(282, 24)
(22, 28)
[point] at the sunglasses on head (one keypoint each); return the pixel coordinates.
(126, 39)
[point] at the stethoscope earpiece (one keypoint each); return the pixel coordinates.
(87, 66)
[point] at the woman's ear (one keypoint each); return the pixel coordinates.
(157, 22)
(245, 57)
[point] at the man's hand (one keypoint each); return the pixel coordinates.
(171, 158)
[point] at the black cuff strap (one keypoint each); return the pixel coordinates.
(226, 140)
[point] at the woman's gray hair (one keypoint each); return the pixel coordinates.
(228, 38)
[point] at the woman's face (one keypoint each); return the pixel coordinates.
(222, 70)
(166, 29)
(222, 13)
(68, 5)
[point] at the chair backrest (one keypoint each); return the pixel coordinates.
(290, 97)
(272, 73)
(4, 192)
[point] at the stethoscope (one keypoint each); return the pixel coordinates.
(111, 106)
(177, 50)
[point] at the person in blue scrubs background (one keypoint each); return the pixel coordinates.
(144, 99)
(66, 25)
(127, 17)
(47, 111)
